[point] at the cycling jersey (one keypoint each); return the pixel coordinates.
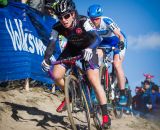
(105, 30)
(83, 35)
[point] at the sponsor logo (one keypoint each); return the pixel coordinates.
(24, 41)
(78, 31)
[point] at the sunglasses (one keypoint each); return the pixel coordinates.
(95, 18)
(67, 16)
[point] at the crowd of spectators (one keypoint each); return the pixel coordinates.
(43, 6)
(147, 95)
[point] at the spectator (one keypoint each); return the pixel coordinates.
(36, 4)
(146, 99)
(48, 9)
(137, 99)
(154, 96)
(146, 88)
(149, 77)
(138, 90)
(3, 3)
(158, 100)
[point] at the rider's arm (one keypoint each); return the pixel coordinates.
(118, 34)
(96, 40)
(114, 28)
(92, 33)
(51, 46)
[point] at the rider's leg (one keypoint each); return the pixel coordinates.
(58, 74)
(100, 56)
(93, 76)
(118, 60)
(119, 70)
(60, 69)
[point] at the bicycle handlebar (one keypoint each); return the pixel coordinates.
(109, 48)
(69, 60)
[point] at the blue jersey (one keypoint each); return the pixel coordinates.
(105, 30)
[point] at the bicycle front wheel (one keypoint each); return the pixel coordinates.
(77, 107)
(97, 117)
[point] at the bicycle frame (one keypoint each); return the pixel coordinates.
(106, 61)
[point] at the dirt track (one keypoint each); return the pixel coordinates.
(36, 110)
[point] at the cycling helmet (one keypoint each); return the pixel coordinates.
(95, 11)
(61, 7)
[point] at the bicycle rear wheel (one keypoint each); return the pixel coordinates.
(77, 107)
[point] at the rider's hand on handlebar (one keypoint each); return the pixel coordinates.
(45, 66)
(121, 45)
(87, 54)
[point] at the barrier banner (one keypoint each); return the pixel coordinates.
(24, 35)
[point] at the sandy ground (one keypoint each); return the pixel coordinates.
(36, 110)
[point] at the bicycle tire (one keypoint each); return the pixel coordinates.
(97, 117)
(77, 107)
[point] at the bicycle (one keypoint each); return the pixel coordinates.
(109, 82)
(78, 96)
(77, 104)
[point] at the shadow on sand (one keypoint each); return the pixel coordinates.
(35, 111)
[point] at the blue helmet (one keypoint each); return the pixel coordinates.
(95, 11)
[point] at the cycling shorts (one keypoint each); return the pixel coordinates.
(113, 42)
(68, 52)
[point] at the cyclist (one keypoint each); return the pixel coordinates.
(83, 39)
(111, 36)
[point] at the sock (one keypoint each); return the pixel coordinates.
(104, 109)
(122, 92)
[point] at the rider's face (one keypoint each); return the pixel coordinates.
(67, 19)
(96, 21)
